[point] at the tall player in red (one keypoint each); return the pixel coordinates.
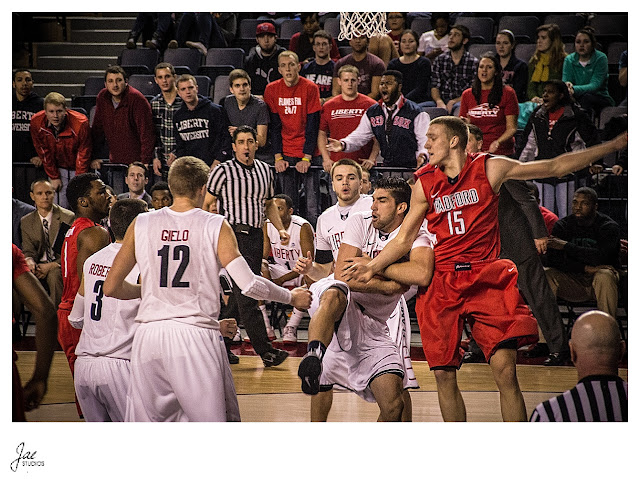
(87, 197)
(458, 195)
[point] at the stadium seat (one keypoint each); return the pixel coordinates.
(93, 85)
(610, 28)
(332, 25)
(421, 25)
(523, 26)
(480, 28)
(289, 27)
(225, 56)
(145, 83)
(525, 51)
(220, 89)
(569, 25)
(477, 50)
(204, 85)
(434, 112)
(139, 61)
(186, 59)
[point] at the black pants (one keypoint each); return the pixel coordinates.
(245, 309)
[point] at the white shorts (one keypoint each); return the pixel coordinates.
(101, 385)
(180, 373)
(361, 348)
(277, 270)
(399, 324)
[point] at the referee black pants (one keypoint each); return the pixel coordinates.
(245, 309)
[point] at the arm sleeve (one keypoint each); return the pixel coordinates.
(76, 316)
(527, 202)
(254, 286)
(50, 168)
(84, 148)
(360, 136)
(420, 127)
(146, 130)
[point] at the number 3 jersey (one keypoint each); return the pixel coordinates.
(462, 213)
(179, 266)
(109, 324)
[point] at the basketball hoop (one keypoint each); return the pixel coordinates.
(357, 24)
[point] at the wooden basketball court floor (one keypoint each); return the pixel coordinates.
(274, 395)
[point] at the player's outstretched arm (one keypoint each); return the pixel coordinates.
(252, 285)
(399, 245)
(115, 284)
(33, 295)
(376, 286)
(417, 271)
(500, 169)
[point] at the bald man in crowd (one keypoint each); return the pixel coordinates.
(600, 395)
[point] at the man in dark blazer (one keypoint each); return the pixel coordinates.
(41, 255)
(523, 236)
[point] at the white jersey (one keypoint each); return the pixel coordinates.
(109, 323)
(363, 235)
(333, 222)
(287, 255)
(177, 256)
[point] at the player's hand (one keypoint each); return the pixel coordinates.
(36, 160)
(303, 166)
(284, 236)
(157, 166)
(33, 393)
(301, 297)
(357, 269)
(228, 327)
(334, 145)
(541, 244)
(304, 264)
(281, 166)
(56, 183)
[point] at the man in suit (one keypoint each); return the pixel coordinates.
(523, 236)
(136, 180)
(41, 256)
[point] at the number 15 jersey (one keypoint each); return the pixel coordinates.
(462, 213)
(179, 267)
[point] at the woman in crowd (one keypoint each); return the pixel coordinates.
(514, 70)
(546, 62)
(492, 107)
(557, 126)
(434, 42)
(416, 70)
(586, 72)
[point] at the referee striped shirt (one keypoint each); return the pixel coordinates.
(242, 191)
(596, 398)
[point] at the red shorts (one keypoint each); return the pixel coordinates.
(68, 336)
(486, 294)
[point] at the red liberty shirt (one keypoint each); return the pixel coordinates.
(339, 118)
(70, 279)
(462, 213)
(492, 121)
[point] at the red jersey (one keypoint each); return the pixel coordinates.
(19, 263)
(292, 104)
(339, 118)
(492, 121)
(70, 279)
(462, 214)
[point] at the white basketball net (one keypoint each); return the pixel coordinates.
(357, 24)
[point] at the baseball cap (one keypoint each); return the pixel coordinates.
(265, 28)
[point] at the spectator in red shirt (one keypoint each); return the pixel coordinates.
(492, 106)
(294, 103)
(62, 140)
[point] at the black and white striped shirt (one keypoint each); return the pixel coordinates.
(242, 191)
(596, 398)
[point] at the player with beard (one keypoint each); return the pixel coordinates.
(349, 334)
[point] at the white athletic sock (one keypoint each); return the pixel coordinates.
(265, 316)
(296, 317)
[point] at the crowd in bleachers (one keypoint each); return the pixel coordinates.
(537, 86)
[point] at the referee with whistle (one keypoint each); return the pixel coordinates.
(244, 186)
